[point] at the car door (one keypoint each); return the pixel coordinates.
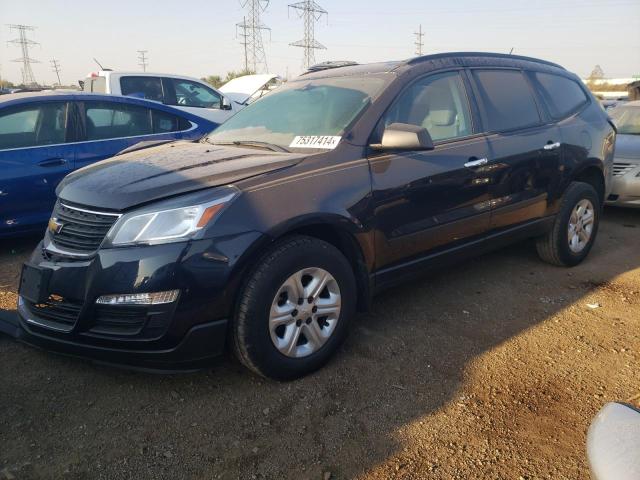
(524, 149)
(427, 200)
(34, 157)
(195, 98)
(110, 127)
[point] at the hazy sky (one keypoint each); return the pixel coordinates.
(198, 37)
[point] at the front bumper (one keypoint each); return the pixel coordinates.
(626, 187)
(186, 334)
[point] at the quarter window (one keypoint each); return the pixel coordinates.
(149, 88)
(437, 103)
(33, 125)
(185, 93)
(165, 122)
(106, 120)
(561, 95)
(507, 99)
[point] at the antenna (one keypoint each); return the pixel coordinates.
(255, 59)
(311, 12)
(101, 67)
(419, 43)
(25, 44)
(143, 59)
(55, 66)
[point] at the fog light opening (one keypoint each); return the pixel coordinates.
(155, 298)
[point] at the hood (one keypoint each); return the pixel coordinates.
(241, 89)
(163, 171)
(627, 146)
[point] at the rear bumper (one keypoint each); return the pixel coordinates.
(198, 349)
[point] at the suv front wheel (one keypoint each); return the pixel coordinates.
(574, 229)
(295, 309)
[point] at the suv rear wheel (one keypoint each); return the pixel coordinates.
(295, 309)
(574, 229)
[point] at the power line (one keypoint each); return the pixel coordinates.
(55, 66)
(25, 44)
(251, 27)
(143, 59)
(419, 43)
(311, 12)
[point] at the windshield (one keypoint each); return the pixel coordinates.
(317, 109)
(627, 119)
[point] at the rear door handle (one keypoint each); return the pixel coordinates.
(552, 146)
(52, 162)
(476, 162)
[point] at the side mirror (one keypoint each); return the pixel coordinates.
(226, 104)
(613, 443)
(403, 136)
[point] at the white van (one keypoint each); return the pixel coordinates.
(185, 93)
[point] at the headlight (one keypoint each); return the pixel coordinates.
(167, 225)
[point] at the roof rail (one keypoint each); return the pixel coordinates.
(426, 58)
(330, 64)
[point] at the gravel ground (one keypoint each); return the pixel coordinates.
(492, 369)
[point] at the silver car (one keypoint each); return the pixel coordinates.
(626, 166)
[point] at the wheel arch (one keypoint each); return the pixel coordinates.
(344, 234)
(593, 175)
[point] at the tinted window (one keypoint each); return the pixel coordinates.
(164, 122)
(507, 99)
(33, 125)
(142, 87)
(437, 103)
(562, 95)
(112, 120)
(186, 93)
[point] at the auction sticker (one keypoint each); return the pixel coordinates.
(315, 141)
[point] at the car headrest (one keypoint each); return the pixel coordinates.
(442, 118)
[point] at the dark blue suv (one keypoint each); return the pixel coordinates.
(45, 136)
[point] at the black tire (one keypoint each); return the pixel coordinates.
(553, 247)
(251, 340)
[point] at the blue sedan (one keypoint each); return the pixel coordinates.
(45, 136)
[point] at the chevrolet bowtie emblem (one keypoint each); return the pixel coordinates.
(55, 226)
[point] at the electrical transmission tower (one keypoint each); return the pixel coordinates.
(55, 66)
(142, 56)
(419, 43)
(25, 45)
(251, 26)
(311, 12)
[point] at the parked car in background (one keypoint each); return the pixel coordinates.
(626, 166)
(249, 88)
(278, 226)
(185, 93)
(45, 136)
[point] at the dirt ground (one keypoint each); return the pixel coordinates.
(492, 369)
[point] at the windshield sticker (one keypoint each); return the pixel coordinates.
(315, 141)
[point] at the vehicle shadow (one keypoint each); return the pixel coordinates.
(404, 361)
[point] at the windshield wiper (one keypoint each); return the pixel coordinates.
(252, 143)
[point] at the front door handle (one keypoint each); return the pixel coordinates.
(552, 146)
(52, 162)
(476, 162)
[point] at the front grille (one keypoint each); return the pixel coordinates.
(80, 229)
(620, 168)
(119, 320)
(56, 312)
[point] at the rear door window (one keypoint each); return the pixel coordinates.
(106, 120)
(562, 95)
(149, 88)
(186, 93)
(507, 99)
(33, 125)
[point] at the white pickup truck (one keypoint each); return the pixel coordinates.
(184, 93)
